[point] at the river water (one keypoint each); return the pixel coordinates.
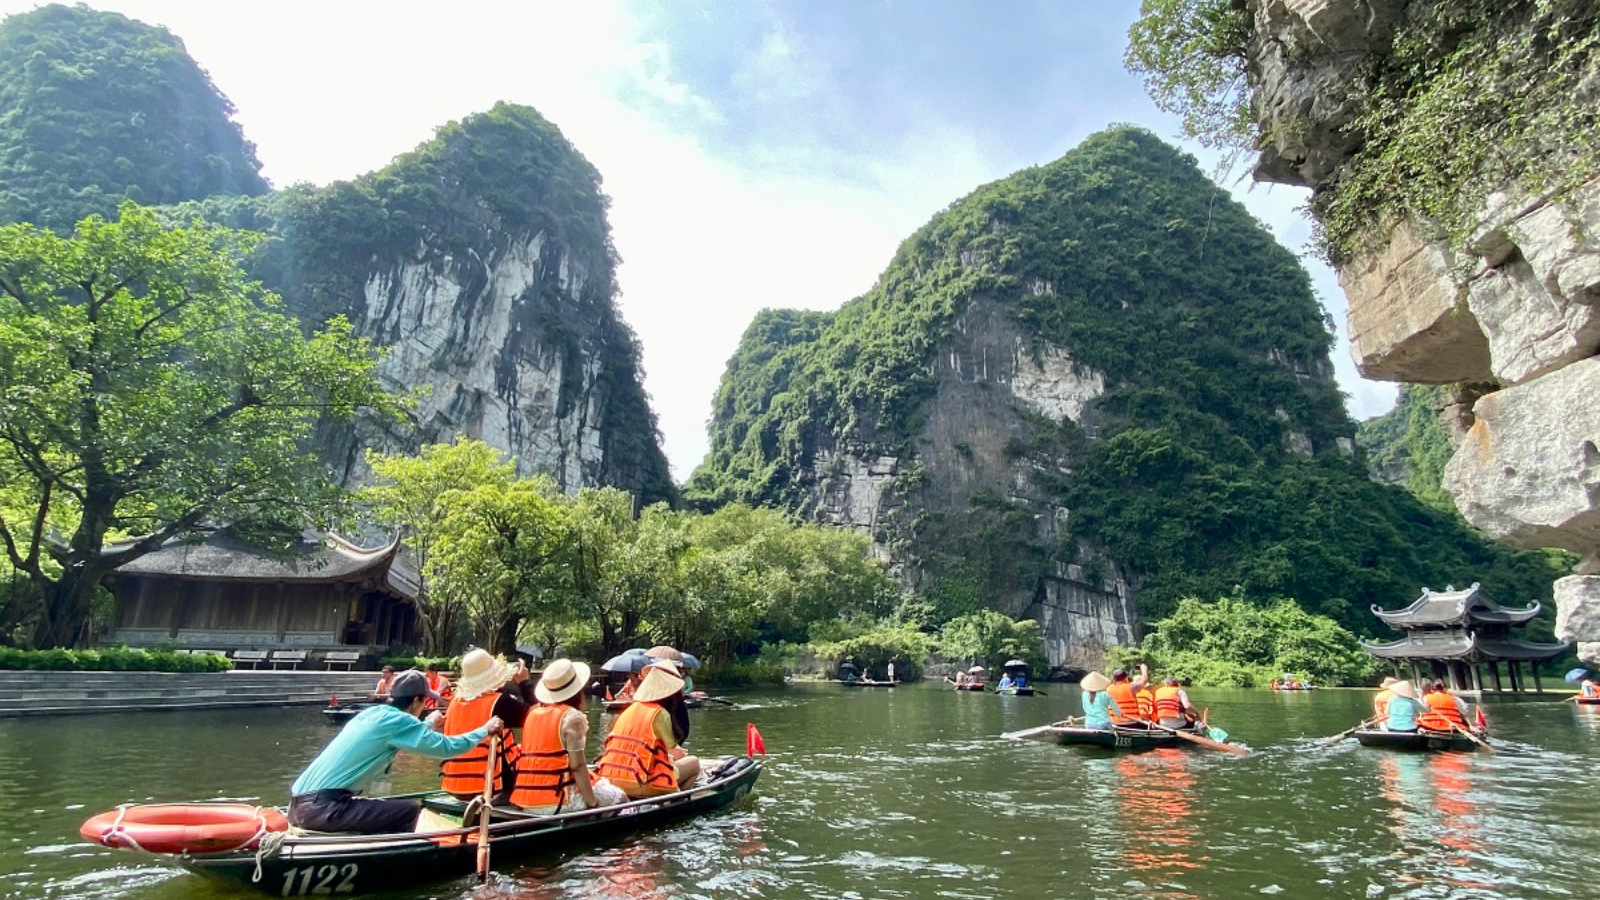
(910, 793)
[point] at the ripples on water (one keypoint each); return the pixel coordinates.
(909, 794)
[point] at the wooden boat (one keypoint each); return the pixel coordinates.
(862, 682)
(1422, 739)
(289, 865)
(343, 712)
(1133, 739)
(1299, 688)
(1587, 701)
(970, 686)
(1024, 691)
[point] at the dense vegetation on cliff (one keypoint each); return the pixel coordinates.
(1408, 446)
(96, 108)
(1212, 460)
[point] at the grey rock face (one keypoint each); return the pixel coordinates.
(993, 379)
(1514, 312)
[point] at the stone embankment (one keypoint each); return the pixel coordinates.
(67, 693)
(1511, 316)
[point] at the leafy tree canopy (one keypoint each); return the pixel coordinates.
(149, 388)
(96, 108)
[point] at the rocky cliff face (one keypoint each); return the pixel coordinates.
(1506, 305)
(1057, 355)
(482, 264)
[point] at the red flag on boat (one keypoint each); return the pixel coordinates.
(1479, 719)
(753, 743)
(333, 699)
(608, 693)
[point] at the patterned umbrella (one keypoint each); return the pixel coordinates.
(1574, 676)
(627, 662)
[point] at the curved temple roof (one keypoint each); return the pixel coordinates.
(1463, 646)
(224, 558)
(1452, 607)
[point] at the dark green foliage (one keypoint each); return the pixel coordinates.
(1235, 643)
(114, 659)
(401, 663)
(738, 674)
(1215, 356)
(1408, 446)
(96, 108)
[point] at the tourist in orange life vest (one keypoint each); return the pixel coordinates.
(1380, 700)
(385, 680)
(552, 775)
(1123, 692)
(1173, 709)
(1446, 705)
(438, 684)
(479, 697)
(1147, 703)
(642, 755)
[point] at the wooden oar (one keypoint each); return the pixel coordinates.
(723, 701)
(1346, 733)
(1483, 746)
(1030, 732)
(1206, 742)
(488, 799)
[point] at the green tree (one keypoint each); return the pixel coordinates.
(994, 638)
(406, 498)
(1191, 55)
(500, 556)
(96, 108)
(151, 389)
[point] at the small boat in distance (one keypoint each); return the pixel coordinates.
(866, 683)
(1129, 739)
(339, 713)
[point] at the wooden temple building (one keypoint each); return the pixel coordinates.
(1452, 635)
(223, 594)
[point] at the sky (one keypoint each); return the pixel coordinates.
(758, 153)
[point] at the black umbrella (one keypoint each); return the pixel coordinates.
(1015, 664)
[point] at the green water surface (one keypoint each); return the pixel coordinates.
(910, 793)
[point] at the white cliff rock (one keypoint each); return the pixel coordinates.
(1578, 608)
(1528, 472)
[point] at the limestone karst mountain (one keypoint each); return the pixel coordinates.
(1080, 394)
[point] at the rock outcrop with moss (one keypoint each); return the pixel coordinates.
(1081, 394)
(482, 263)
(1454, 153)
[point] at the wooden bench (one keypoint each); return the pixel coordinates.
(346, 658)
(254, 657)
(290, 658)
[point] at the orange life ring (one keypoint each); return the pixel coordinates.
(184, 827)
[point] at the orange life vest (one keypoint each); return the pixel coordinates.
(383, 685)
(1443, 703)
(634, 752)
(543, 771)
(1147, 703)
(463, 775)
(1169, 702)
(1122, 693)
(435, 682)
(1380, 703)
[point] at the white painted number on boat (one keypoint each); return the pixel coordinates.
(1124, 741)
(318, 880)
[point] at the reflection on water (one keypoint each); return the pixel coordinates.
(909, 794)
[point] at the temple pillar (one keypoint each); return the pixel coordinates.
(1516, 683)
(1538, 687)
(1494, 672)
(1477, 679)
(1416, 675)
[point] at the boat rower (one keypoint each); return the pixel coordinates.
(1172, 707)
(1446, 707)
(1099, 709)
(1403, 707)
(324, 797)
(1123, 690)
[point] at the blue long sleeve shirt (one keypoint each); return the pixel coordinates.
(367, 745)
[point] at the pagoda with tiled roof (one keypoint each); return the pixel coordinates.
(1449, 634)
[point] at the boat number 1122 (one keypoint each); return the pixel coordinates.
(300, 881)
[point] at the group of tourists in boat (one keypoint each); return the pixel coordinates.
(1126, 700)
(1434, 720)
(1290, 683)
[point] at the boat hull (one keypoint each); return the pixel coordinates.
(351, 864)
(1015, 692)
(1427, 741)
(1129, 739)
(866, 684)
(338, 715)
(1588, 701)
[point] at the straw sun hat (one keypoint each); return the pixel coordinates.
(658, 684)
(480, 674)
(1403, 689)
(1094, 681)
(561, 680)
(1388, 682)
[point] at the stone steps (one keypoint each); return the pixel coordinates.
(66, 693)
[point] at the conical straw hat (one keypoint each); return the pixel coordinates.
(1094, 681)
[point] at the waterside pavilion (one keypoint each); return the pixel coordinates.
(1450, 635)
(221, 593)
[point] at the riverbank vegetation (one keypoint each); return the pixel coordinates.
(1230, 642)
(110, 659)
